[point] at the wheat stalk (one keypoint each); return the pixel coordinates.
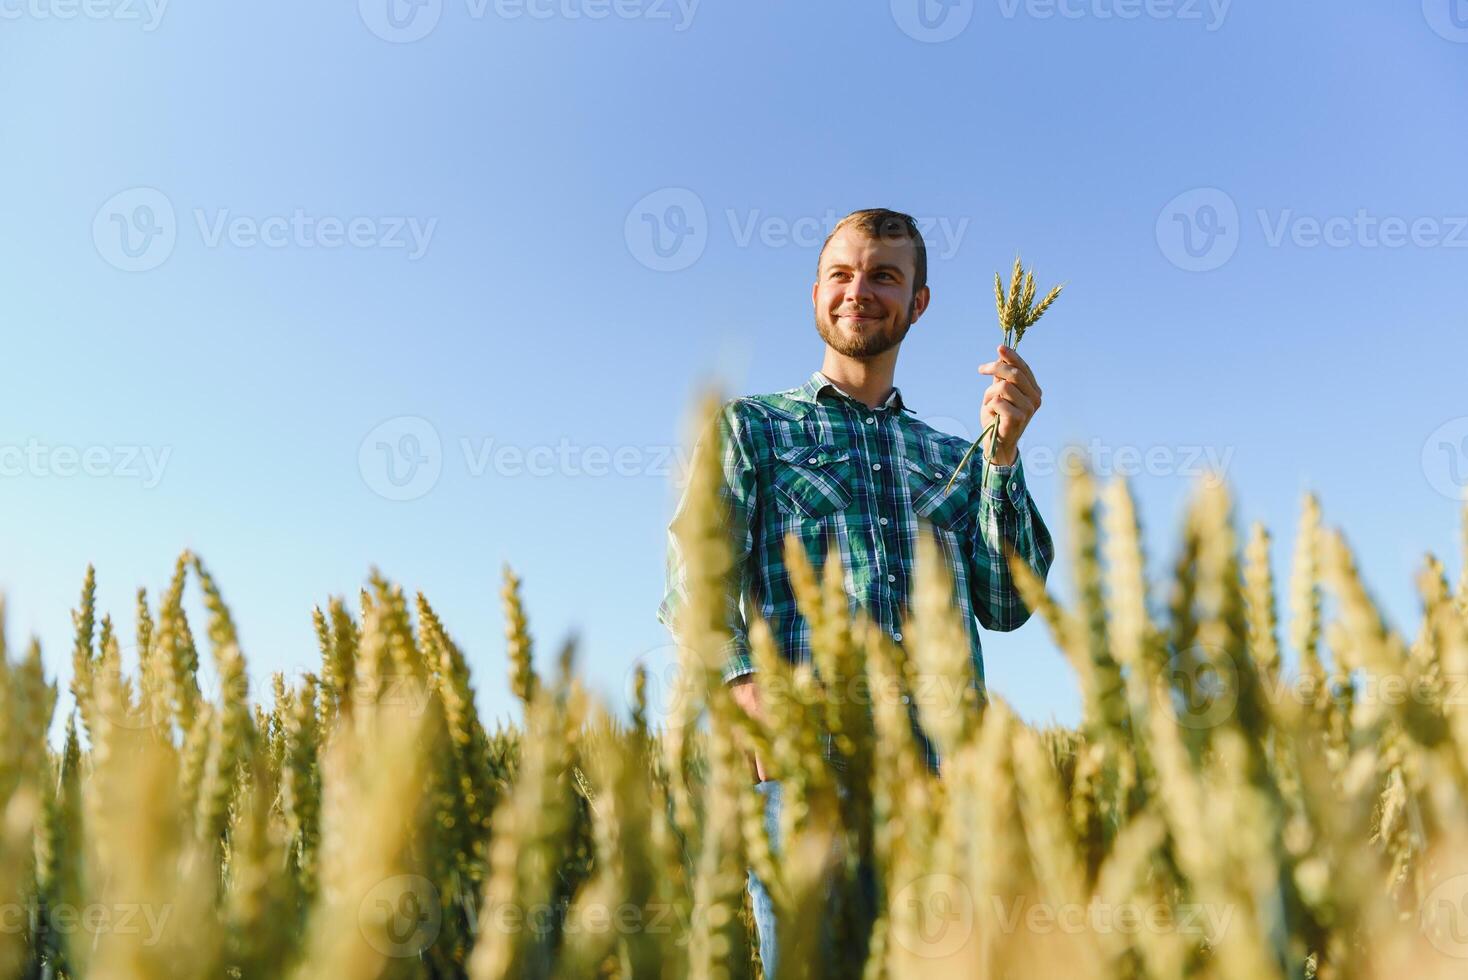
(1017, 313)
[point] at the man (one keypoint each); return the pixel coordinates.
(843, 455)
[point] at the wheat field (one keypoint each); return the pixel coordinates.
(1213, 815)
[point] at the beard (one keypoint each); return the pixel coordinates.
(876, 340)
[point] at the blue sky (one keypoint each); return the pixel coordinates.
(248, 245)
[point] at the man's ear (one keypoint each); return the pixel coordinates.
(815, 289)
(920, 303)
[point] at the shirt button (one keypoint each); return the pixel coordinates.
(876, 466)
(871, 420)
(1014, 488)
(882, 521)
(811, 460)
(891, 578)
(906, 699)
(897, 637)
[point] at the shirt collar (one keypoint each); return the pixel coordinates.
(818, 382)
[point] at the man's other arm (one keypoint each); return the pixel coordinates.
(737, 492)
(1006, 512)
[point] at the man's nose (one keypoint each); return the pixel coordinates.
(859, 287)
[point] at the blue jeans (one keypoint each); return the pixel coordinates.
(764, 908)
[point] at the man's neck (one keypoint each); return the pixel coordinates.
(869, 381)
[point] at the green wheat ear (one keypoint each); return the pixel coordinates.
(1017, 313)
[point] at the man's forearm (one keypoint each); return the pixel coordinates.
(1006, 517)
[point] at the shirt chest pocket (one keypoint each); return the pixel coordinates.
(812, 480)
(933, 499)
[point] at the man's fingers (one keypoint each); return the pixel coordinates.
(1004, 409)
(1012, 393)
(1002, 371)
(1008, 354)
(1012, 356)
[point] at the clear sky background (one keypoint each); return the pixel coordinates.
(248, 246)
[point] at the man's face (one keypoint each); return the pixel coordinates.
(863, 294)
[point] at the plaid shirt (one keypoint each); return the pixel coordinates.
(814, 461)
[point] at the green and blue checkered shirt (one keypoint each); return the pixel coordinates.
(815, 461)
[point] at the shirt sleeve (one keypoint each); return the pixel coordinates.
(737, 493)
(1005, 513)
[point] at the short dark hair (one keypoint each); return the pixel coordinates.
(884, 225)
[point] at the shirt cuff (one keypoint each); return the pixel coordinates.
(1006, 482)
(737, 662)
